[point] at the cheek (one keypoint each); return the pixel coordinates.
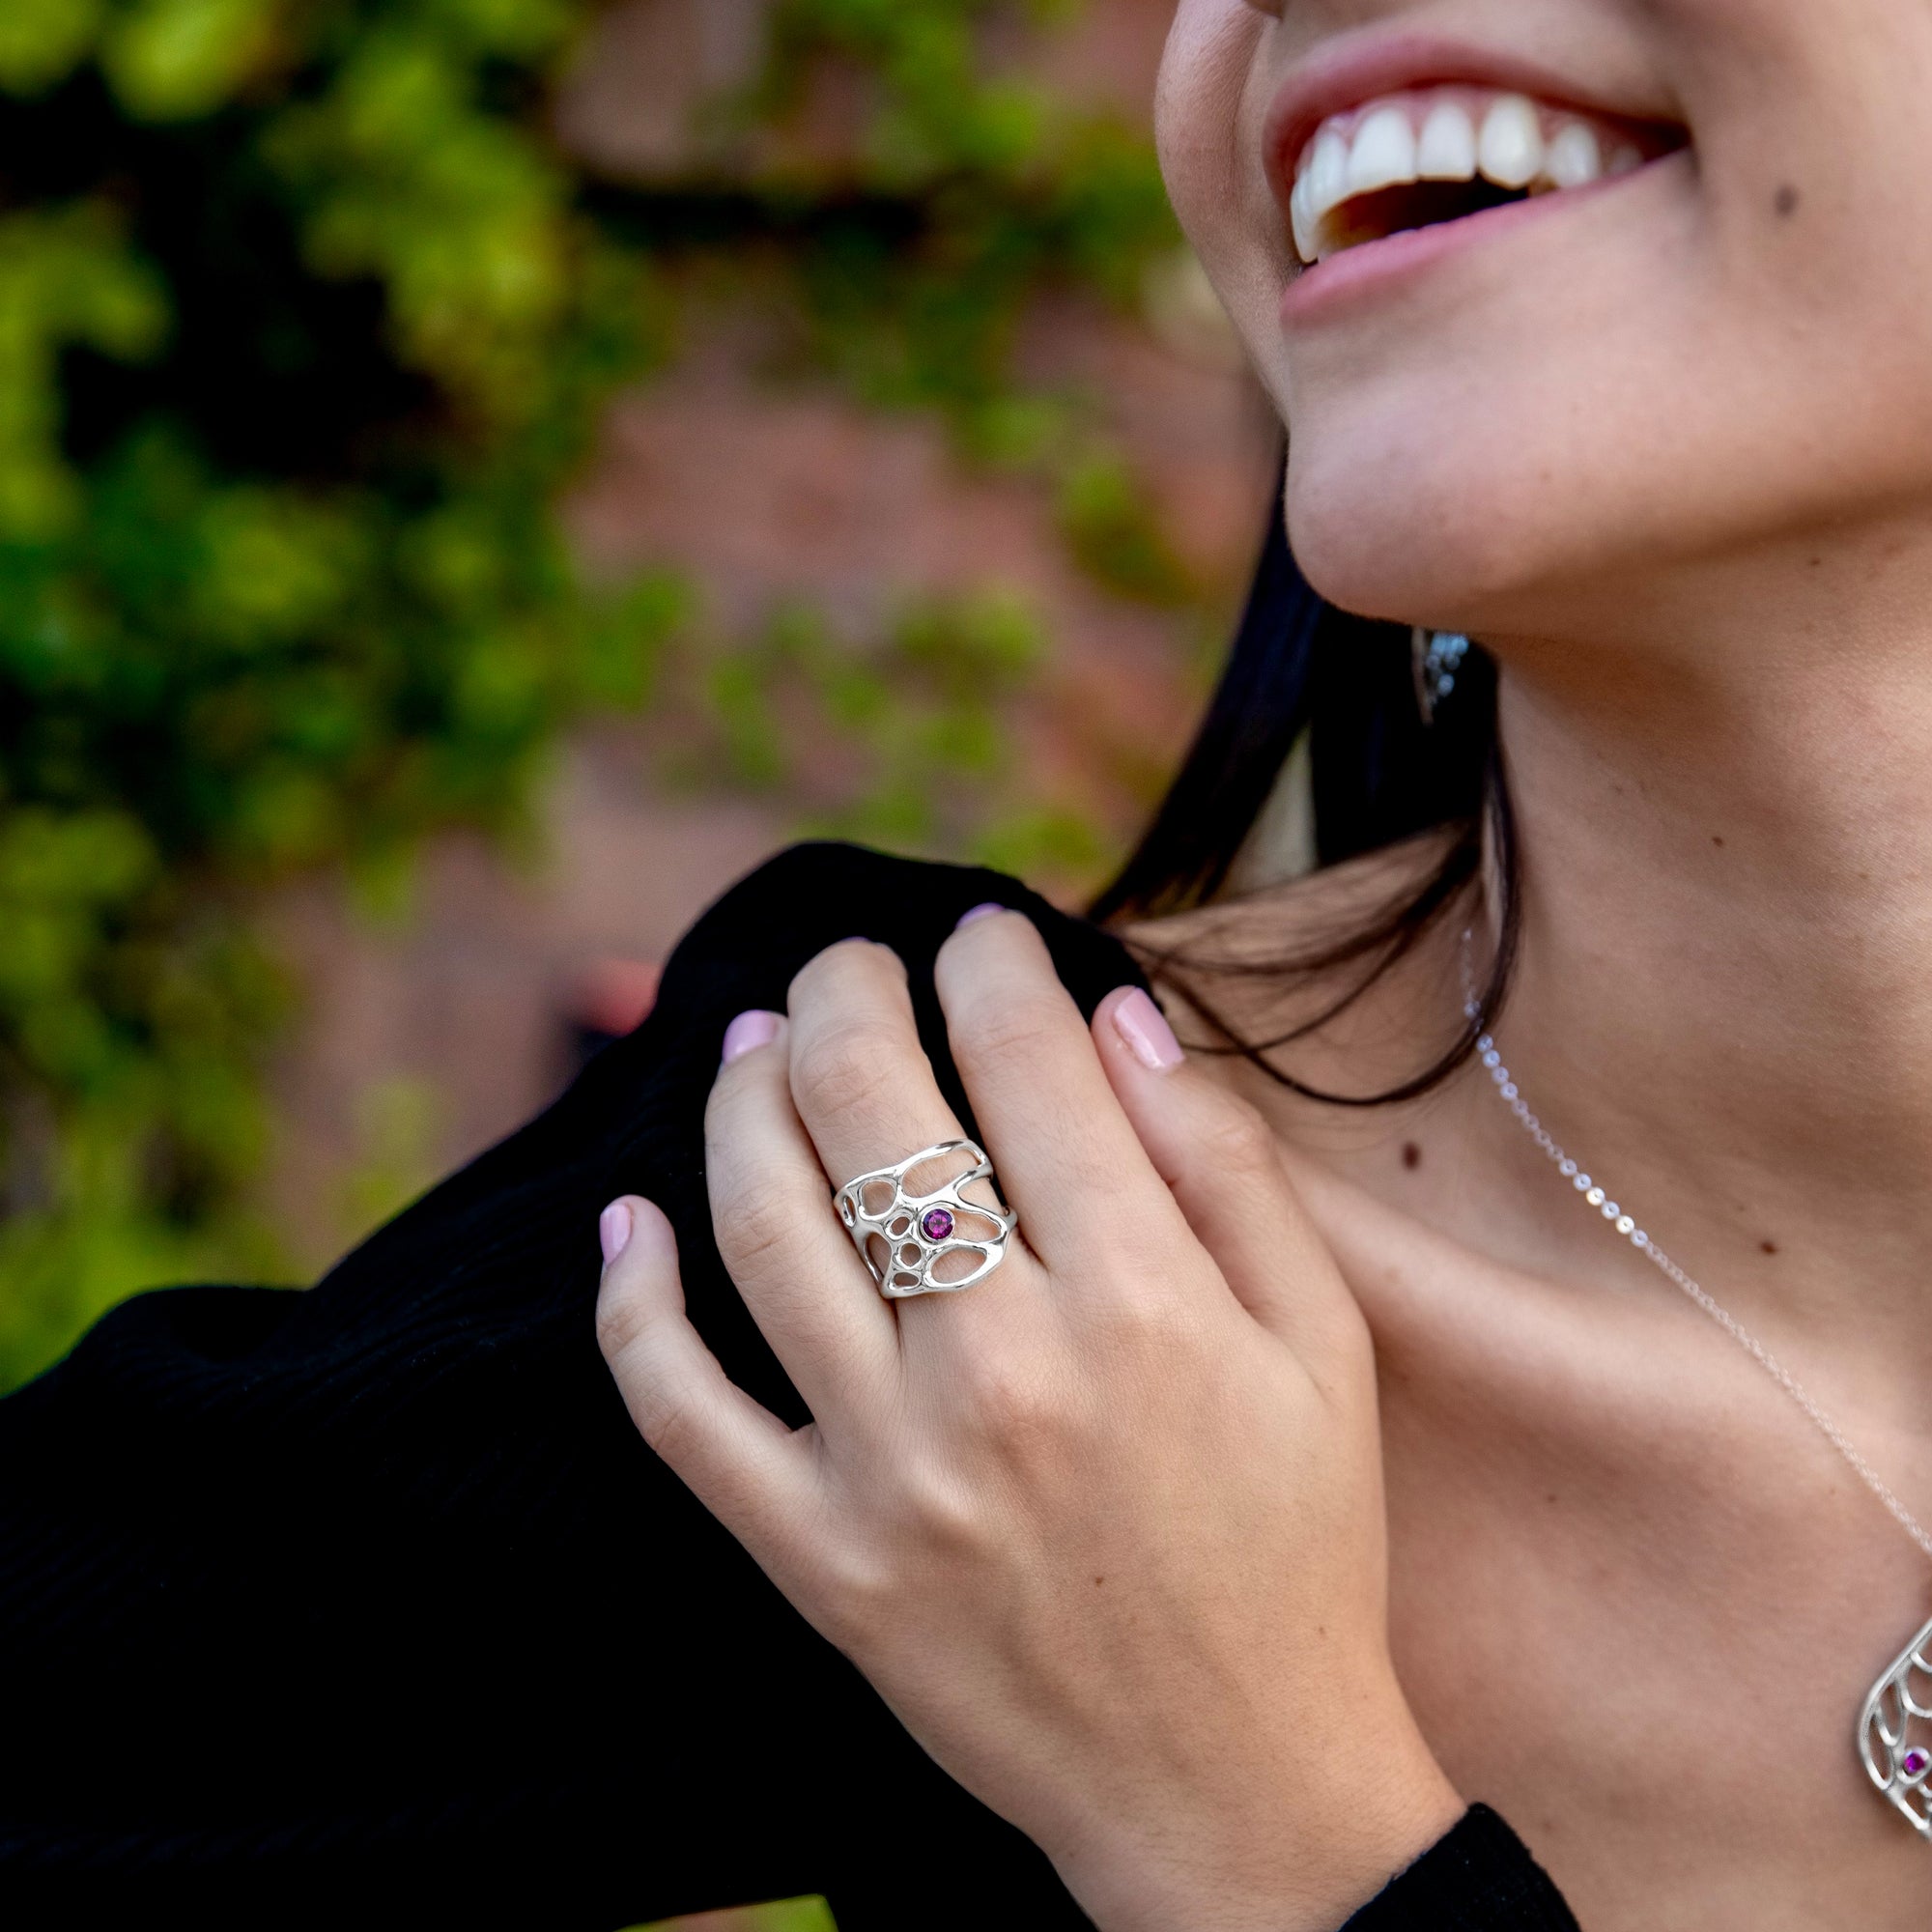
(1515, 498)
(1203, 75)
(1216, 79)
(1706, 376)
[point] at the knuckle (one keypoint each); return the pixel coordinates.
(661, 1402)
(1151, 1338)
(1014, 1403)
(860, 1589)
(931, 1491)
(848, 961)
(1011, 1030)
(946, 1514)
(752, 1229)
(845, 1070)
(665, 1420)
(623, 1315)
(868, 1580)
(1236, 1141)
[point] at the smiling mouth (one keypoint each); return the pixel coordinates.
(1425, 157)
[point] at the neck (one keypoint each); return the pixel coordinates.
(1725, 994)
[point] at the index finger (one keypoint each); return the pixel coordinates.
(868, 1099)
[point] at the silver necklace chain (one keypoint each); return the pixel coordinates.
(1596, 1195)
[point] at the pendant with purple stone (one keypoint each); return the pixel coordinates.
(1899, 1764)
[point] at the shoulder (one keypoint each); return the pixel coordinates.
(744, 949)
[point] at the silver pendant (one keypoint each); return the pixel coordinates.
(1896, 1732)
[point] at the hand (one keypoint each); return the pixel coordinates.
(1106, 1530)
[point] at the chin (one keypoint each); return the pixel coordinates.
(1386, 529)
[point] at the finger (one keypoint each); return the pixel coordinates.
(866, 1095)
(1221, 1160)
(1069, 1158)
(751, 1472)
(779, 1234)
(860, 1078)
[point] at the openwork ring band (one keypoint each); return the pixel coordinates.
(905, 1238)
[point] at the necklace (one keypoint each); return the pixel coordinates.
(1894, 1734)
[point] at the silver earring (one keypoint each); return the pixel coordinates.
(1435, 657)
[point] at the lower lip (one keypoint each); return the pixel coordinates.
(1364, 271)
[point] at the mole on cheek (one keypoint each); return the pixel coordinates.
(1411, 1154)
(1785, 201)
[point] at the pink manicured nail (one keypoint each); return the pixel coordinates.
(1149, 1038)
(747, 1031)
(613, 1230)
(985, 910)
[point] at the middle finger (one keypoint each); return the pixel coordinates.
(864, 1087)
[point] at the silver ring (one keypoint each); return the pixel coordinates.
(915, 1232)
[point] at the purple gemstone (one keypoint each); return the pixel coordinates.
(1913, 1762)
(935, 1224)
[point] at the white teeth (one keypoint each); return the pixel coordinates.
(1510, 150)
(1305, 244)
(1384, 153)
(1446, 150)
(1573, 159)
(1506, 145)
(1327, 174)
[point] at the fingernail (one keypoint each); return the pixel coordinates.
(1144, 1027)
(985, 910)
(747, 1031)
(613, 1230)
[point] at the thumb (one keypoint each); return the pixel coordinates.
(1221, 1162)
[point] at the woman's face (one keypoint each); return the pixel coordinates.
(1501, 421)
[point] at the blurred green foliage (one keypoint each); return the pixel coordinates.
(898, 716)
(791, 1914)
(304, 322)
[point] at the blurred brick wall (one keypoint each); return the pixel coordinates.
(430, 1039)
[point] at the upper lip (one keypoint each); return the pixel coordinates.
(1346, 72)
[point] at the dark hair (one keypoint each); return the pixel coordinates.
(1379, 775)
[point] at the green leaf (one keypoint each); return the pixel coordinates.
(1113, 530)
(42, 40)
(295, 374)
(175, 59)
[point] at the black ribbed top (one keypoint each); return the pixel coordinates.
(368, 1603)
